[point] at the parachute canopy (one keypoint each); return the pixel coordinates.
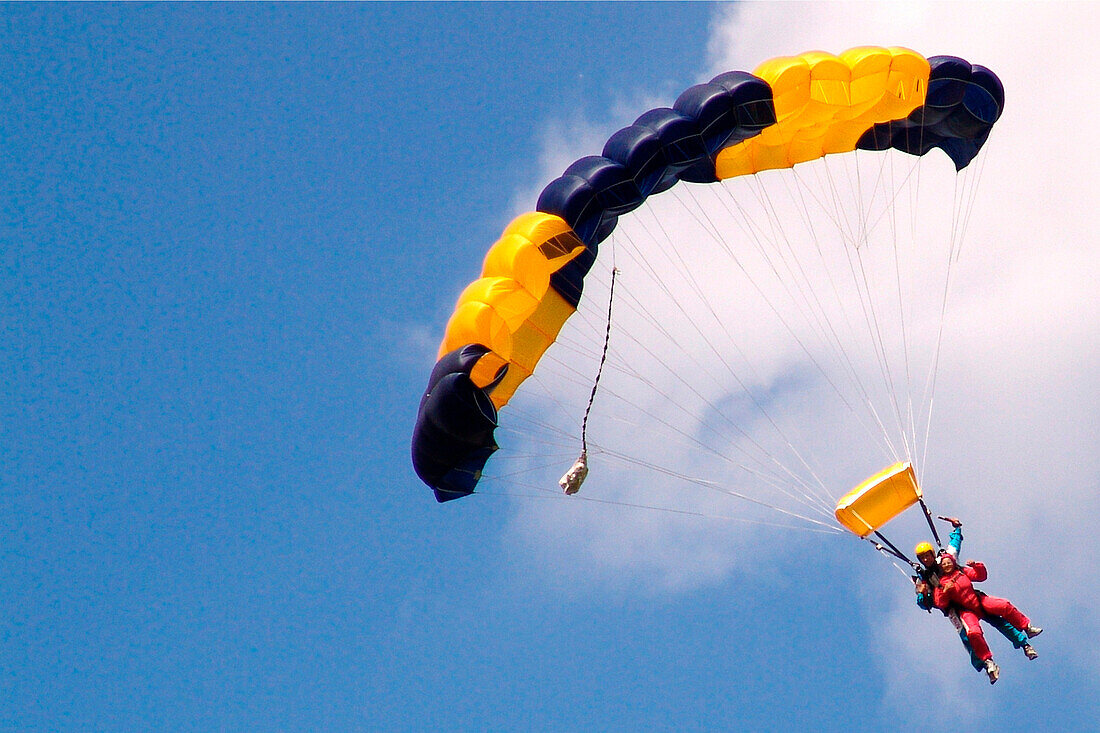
(879, 499)
(791, 110)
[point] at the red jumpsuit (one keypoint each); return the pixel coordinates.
(957, 588)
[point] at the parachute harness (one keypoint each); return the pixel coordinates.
(574, 477)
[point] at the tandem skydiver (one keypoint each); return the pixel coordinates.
(956, 590)
(929, 580)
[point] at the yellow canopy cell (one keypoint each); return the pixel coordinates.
(511, 308)
(824, 103)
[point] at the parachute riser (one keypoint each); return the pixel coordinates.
(888, 548)
(931, 524)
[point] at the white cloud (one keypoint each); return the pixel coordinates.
(1015, 416)
(1019, 402)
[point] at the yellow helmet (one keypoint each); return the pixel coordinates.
(923, 547)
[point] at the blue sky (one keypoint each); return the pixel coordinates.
(232, 235)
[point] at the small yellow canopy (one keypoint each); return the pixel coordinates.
(878, 499)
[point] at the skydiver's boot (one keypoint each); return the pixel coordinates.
(1029, 651)
(992, 670)
(1032, 631)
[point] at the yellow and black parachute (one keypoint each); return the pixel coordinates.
(790, 110)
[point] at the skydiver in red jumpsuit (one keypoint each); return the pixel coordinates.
(957, 587)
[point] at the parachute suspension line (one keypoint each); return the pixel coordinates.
(911, 183)
(813, 313)
(862, 211)
(911, 186)
(878, 312)
(821, 506)
(857, 230)
(546, 494)
(574, 477)
(703, 216)
(840, 352)
(754, 282)
(565, 441)
(836, 214)
(904, 416)
(690, 441)
(973, 187)
(545, 461)
(879, 342)
(825, 527)
(844, 229)
(643, 314)
(871, 313)
(569, 371)
(927, 398)
(715, 487)
(960, 221)
(538, 417)
(836, 217)
(744, 221)
(556, 444)
(911, 425)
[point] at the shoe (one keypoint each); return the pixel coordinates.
(1032, 631)
(1029, 652)
(992, 670)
